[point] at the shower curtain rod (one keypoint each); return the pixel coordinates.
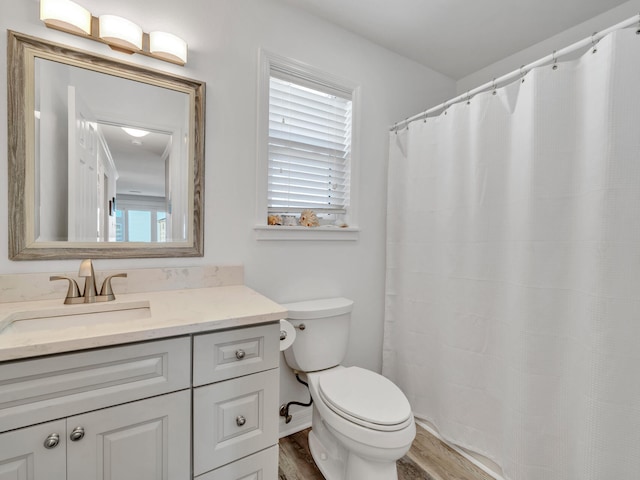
(496, 82)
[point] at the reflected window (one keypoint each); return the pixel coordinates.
(134, 225)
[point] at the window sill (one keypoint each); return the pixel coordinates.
(277, 232)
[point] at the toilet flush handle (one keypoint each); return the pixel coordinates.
(283, 334)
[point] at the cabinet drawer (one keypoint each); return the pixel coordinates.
(33, 391)
(260, 466)
(233, 419)
(223, 355)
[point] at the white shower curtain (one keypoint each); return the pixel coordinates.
(513, 269)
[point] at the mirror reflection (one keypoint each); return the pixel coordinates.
(111, 157)
(106, 158)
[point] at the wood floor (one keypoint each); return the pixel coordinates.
(428, 459)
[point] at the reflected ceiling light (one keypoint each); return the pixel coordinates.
(168, 47)
(120, 32)
(66, 15)
(136, 132)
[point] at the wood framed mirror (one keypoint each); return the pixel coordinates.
(106, 158)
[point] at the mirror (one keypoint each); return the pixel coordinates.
(106, 158)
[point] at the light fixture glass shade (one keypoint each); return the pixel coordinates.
(120, 32)
(66, 15)
(168, 47)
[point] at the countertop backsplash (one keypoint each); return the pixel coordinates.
(37, 286)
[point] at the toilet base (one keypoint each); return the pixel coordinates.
(332, 468)
(340, 464)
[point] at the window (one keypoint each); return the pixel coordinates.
(141, 226)
(307, 159)
(141, 219)
(309, 150)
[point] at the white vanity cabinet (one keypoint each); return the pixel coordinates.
(136, 412)
(124, 414)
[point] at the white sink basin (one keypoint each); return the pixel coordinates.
(72, 316)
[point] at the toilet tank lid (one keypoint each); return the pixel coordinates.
(325, 307)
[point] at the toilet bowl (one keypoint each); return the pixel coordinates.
(362, 423)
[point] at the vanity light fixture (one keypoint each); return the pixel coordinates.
(66, 16)
(119, 33)
(167, 46)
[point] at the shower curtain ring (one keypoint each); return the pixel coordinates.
(523, 72)
(555, 61)
(594, 42)
(494, 86)
(638, 31)
(468, 99)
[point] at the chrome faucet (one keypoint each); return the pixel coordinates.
(90, 292)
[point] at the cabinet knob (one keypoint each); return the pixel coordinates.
(77, 434)
(52, 441)
(240, 354)
(240, 420)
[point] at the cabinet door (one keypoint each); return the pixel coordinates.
(144, 440)
(23, 455)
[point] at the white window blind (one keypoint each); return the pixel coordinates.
(309, 147)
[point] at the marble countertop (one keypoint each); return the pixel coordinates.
(155, 315)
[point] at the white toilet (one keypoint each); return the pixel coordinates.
(362, 423)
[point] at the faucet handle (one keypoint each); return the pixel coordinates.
(73, 292)
(106, 292)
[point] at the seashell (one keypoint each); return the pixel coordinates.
(308, 218)
(274, 220)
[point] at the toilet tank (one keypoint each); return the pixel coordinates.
(322, 342)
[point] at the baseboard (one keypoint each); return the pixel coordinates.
(300, 420)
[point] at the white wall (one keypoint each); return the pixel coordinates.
(546, 47)
(224, 37)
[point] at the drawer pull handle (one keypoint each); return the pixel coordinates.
(52, 441)
(240, 420)
(77, 434)
(240, 354)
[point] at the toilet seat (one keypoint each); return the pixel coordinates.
(365, 398)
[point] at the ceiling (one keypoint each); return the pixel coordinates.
(140, 161)
(456, 37)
